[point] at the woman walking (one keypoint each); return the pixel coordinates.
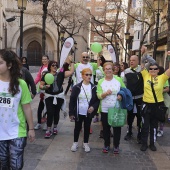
(54, 95)
(82, 107)
(152, 81)
(107, 90)
(15, 110)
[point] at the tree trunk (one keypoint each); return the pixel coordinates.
(168, 22)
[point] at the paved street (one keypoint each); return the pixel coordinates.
(54, 153)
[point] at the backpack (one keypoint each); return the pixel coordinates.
(135, 83)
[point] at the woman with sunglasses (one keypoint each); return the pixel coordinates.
(15, 110)
(54, 95)
(149, 105)
(107, 90)
(82, 107)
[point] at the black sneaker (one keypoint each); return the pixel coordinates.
(152, 147)
(128, 136)
(143, 147)
(101, 134)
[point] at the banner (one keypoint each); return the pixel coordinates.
(68, 44)
(112, 52)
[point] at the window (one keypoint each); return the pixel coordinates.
(99, 28)
(98, 38)
(99, 9)
(133, 3)
(110, 16)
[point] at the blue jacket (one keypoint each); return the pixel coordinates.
(127, 100)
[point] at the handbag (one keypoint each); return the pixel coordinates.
(117, 116)
(161, 109)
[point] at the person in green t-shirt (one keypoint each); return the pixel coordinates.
(15, 110)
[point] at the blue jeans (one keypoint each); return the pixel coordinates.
(11, 153)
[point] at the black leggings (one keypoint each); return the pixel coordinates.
(106, 132)
(53, 111)
(78, 127)
(39, 112)
(11, 153)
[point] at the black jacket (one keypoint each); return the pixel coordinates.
(74, 101)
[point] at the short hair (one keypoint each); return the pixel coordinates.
(86, 70)
(108, 63)
(23, 58)
(50, 63)
(125, 65)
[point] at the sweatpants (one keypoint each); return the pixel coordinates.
(149, 122)
(53, 110)
(78, 126)
(11, 153)
(106, 132)
(131, 116)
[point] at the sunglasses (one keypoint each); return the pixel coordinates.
(153, 68)
(88, 75)
(53, 65)
(85, 57)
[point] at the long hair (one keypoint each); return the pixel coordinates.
(12, 61)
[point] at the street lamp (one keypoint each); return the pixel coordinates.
(75, 48)
(158, 4)
(127, 34)
(22, 6)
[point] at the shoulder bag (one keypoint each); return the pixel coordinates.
(160, 109)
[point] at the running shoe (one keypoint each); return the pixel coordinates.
(116, 150)
(106, 149)
(48, 134)
(55, 131)
(96, 119)
(160, 133)
(86, 147)
(74, 147)
(37, 126)
(45, 127)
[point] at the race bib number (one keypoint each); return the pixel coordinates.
(6, 101)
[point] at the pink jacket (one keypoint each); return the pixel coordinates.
(39, 74)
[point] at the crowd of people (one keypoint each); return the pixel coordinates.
(96, 88)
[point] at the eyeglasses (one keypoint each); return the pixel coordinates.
(88, 75)
(85, 57)
(153, 68)
(53, 65)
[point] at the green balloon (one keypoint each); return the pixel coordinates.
(49, 78)
(96, 47)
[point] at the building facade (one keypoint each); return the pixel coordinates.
(32, 32)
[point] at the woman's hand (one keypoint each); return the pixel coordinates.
(119, 97)
(72, 117)
(31, 135)
(91, 109)
(108, 92)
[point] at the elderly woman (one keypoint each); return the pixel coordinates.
(54, 95)
(107, 90)
(150, 106)
(83, 106)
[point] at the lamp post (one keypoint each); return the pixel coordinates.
(127, 34)
(157, 4)
(22, 6)
(75, 48)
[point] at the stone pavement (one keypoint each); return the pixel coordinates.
(55, 154)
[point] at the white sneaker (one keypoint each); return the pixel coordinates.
(86, 147)
(37, 126)
(160, 133)
(45, 127)
(74, 147)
